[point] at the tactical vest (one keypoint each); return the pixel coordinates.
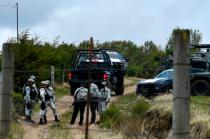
(47, 96)
(32, 93)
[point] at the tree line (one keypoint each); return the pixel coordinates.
(33, 57)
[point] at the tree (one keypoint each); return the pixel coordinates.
(195, 38)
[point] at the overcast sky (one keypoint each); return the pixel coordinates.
(105, 20)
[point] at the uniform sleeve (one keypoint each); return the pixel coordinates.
(34, 86)
(108, 94)
(27, 95)
(42, 94)
(75, 92)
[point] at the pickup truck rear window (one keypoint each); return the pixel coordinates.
(99, 60)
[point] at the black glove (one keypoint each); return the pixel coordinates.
(73, 103)
(43, 106)
(29, 105)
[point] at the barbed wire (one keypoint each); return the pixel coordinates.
(8, 5)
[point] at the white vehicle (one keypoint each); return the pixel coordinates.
(117, 59)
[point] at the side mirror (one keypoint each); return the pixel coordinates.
(126, 59)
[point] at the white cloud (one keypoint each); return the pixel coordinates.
(5, 34)
(106, 20)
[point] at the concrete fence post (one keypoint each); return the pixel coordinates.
(7, 89)
(52, 75)
(181, 85)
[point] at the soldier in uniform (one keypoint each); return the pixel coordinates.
(94, 94)
(51, 102)
(44, 97)
(24, 91)
(30, 95)
(80, 100)
(34, 84)
(104, 98)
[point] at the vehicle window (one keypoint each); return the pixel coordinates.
(197, 70)
(208, 57)
(115, 55)
(99, 60)
(165, 74)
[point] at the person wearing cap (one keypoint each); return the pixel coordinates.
(34, 84)
(94, 94)
(43, 98)
(29, 98)
(104, 98)
(80, 100)
(51, 102)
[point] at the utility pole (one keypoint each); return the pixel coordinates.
(17, 15)
(52, 75)
(63, 74)
(89, 82)
(181, 85)
(6, 89)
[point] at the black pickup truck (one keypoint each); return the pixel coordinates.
(102, 69)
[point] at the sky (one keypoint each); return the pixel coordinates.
(104, 20)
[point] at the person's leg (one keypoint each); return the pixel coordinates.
(43, 112)
(53, 108)
(82, 110)
(75, 112)
(27, 111)
(93, 111)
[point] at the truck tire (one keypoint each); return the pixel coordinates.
(119, 91)
(200, 87)
(72, 90)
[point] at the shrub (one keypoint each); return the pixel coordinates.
(140, 108)
(18, 103)
(110, 117)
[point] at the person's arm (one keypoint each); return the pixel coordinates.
(42, 94)
(27, 95)
(108, 95)
(52, 93)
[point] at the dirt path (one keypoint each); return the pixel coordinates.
(63, 105)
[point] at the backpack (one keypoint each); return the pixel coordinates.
(81, 94)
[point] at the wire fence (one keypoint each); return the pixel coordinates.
(157, 122)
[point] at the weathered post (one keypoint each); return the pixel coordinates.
(52, 75)
(181, 85)
(89, 82)
(7, 89)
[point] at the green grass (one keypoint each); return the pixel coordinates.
(201, 102)
(126, 115)
(59, 130)
(61, 91)
(65, 119)
(16, 132)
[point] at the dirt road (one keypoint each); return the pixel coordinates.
(76, 132)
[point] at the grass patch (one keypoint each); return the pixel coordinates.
(126, 115)
(16, 131)
(61, 91)
(65, 117)
(59, 130)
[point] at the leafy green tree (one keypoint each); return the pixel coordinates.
(195, 38)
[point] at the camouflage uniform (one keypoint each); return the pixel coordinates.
(80, 97)
(51, 102)
(104, 98)
(94, 92)
(29, 99)
(43, 108)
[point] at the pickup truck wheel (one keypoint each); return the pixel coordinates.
(72, 91)
(200, 87)
(119, 91)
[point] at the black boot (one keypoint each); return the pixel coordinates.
(45, 119)
(26, 119)
(41, 121)
(30, 120)
(56, 118)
